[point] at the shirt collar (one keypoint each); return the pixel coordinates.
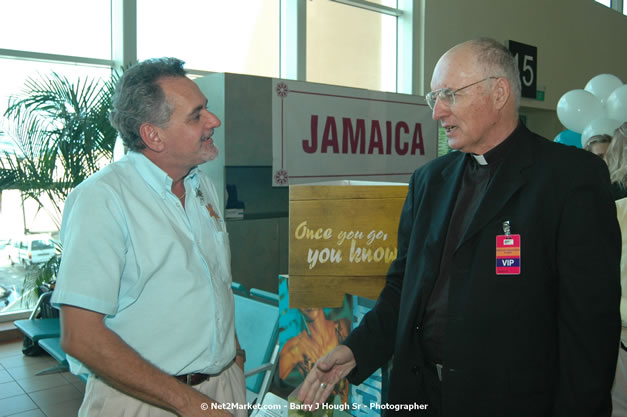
(157, 178)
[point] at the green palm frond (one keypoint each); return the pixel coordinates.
(63, 133)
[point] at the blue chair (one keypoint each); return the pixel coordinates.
(257, 327)
(53, 347)
(265, 296)
(239, 289)
(37, 329)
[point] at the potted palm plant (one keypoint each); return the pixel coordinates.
(62, 131)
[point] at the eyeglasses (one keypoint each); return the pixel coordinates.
(447, 95)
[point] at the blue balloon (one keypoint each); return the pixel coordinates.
(568, 137)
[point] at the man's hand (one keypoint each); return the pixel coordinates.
(327, 372)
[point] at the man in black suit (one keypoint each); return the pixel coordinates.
(504, 297)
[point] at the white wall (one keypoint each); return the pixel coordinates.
(576, 40)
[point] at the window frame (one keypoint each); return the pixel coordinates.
(618, 5)
(292, 49)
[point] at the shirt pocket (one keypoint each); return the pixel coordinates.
(215, 246)
(223, 256)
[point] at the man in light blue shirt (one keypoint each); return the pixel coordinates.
(144, 286)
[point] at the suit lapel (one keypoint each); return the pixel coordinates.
(436, 205)
(434, 216)
(446, 187)
(506, 181)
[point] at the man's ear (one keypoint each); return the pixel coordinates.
(502, 92)
(151, 137)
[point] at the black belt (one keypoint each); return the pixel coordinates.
(192, 379)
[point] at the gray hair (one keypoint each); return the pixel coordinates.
(139, 99)
(616, 156)
(493, 56)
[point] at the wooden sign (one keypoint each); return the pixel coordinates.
(342, 241)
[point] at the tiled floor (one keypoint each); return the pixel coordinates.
(24, 394)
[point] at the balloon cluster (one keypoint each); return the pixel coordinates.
(598, 109)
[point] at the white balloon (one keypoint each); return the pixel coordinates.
(577, 108)
(603, 85)
(603, 126)
(616, 104)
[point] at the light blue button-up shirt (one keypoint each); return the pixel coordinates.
(159, 272)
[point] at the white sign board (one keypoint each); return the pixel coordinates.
(325, 133)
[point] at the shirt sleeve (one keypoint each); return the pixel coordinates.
(94, 241)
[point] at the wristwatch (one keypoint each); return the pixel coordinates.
(241, 352)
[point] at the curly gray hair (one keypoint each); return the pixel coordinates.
(139, 99)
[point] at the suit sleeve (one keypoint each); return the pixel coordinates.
(372, 342)
(588, 262)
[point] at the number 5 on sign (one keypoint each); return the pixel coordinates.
(527, 72)
(527, 58)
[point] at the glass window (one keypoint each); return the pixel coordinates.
(40, 244)
(388, 3)
(15, 217)
(15, 72)
(350, 46)
(63, 27)
(607, 3)
(240, 36)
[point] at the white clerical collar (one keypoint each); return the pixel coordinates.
(480, 159)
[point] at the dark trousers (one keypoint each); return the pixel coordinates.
(433, 386)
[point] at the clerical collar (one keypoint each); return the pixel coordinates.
(497, 153)
(480, 159)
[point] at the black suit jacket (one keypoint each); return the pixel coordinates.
(542, 343)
